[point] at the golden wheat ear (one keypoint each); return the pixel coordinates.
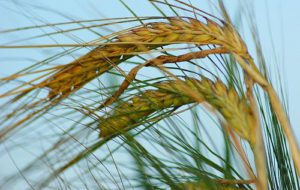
(71, 77)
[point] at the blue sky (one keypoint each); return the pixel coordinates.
(277, 20)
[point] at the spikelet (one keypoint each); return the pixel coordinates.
(227, 102)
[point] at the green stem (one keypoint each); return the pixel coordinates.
(285, 125)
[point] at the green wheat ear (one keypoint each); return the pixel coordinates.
(175, 93)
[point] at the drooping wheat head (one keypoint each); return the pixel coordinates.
(141, 39)
(235, 110)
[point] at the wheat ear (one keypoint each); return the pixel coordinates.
(141, 39)
(234, 109)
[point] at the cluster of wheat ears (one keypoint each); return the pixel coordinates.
(239, 112)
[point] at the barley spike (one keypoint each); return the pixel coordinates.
(235, 110)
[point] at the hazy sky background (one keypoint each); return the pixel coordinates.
(277, 20)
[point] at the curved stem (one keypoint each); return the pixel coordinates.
(260, 161)
(257, 143)
(285, 124)
(277, 107)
